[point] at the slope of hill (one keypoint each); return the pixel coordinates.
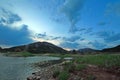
(114, 49)
(87, 50)
(0, 49)
(37, 47)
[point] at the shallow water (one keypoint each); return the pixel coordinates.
(19, 68)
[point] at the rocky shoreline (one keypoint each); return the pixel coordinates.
(47, 68)
(90, 72)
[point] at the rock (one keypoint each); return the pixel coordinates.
(37, 78)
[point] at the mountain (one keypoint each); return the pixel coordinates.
(37, 47)
(0, 49)
(87, 50)
(114, 49)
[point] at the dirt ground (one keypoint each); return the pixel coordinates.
(95, 73)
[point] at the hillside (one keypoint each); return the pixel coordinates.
(114, 49)
(87, 50)
(37, 47)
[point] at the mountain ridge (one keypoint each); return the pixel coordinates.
(37, 47)
(113, 49)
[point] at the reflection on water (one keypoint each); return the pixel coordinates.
(18, 68)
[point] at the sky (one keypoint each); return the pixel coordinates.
(70, 24)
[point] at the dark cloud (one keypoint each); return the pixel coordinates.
(113, 8)
(55, 38)
(97, 44)
(13, 37)
(88, 30)
(41, 35)
(48, 37)
(112, 38)
(77, 29)
(45, 36)
(102, 23)
(7, 17)
(81, 30)
(109, 36)
(69, 45)
(71, 9)
(73, 38)
(82, 39)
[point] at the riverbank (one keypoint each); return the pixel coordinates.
(88, 67)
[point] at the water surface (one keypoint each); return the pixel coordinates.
(19, 68)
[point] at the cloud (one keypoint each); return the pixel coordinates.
(109, 37)
(45, 36)
(7, 17)
(71, 9)
(112, 38)
(84, 30)
(9, 36)
(97, 45)
(69, 45)
(88, 30)
(72, 39)
(113, 8)
(65, 42)
(102, 23)
(41, 35)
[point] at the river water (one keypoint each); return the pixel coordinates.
(19, 68)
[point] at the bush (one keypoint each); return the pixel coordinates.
(63, 75)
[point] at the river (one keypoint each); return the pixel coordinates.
(19, 68)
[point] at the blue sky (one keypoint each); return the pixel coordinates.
(70, 24)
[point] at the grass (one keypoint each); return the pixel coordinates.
(26, 54)
(56, 73)
(60, 55)
(80, 67)
(64, 75)
(104, 60)
(81, 62)
(19, 54)
(69, 66)
(91, 77)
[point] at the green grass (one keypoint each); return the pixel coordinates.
(60, 55)
(64, 75)
(26, 54)
(80, 67)
(69, 66)
(80, 62)
(91, 77)
(20, 54)
(56, 73)
(104, 60)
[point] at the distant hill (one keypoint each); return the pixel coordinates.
(114, 49)
(87, 50)
(0, 49)
(37, 47)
